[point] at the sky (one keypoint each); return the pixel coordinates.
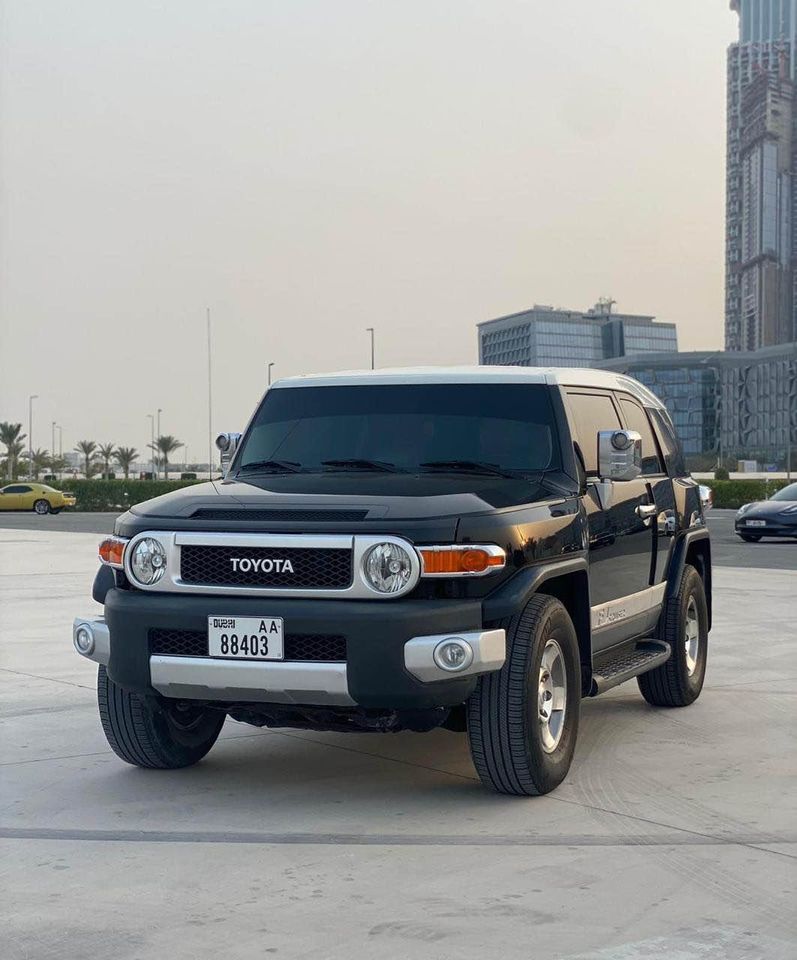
(306, 169)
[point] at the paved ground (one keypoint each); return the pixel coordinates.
(728, 548)
(675, 836)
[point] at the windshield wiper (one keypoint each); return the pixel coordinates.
(271, 466)
(381, 466)
(466, 466)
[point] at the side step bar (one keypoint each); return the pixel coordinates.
(629, 661)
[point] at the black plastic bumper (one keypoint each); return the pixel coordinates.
(375, 632)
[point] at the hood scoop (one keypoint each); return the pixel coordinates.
(245, 515)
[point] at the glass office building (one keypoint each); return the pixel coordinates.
(742, 405)
(548, 337)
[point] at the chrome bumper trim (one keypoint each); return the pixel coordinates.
(101, 651)
(205, 678)
(489, 653)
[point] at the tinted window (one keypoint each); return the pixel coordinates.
(787, 493)
(637, 419)
(591, 413)
(508, 425)
(19, 488)
(669, 443)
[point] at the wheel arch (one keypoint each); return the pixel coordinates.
(567, 581)
(695, 549)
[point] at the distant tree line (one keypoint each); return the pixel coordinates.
(97, 458)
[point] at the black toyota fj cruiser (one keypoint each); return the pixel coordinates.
(473, 548)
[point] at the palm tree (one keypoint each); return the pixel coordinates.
(11, 437)
(57, 465)
(87, 448)
(105, 452)
(125, 456)
(38, 462)
(164, 446)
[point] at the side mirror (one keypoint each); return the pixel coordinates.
(619, 455)
(706, 496)
(227, 444)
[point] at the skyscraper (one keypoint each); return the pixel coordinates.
(761, 202)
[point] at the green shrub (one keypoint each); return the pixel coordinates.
(721, 473)
(731, 494)
(115, 496)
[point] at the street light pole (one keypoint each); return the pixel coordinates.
(371, 331)
(31, 398)
(152, 441)
(268, 369)
(52, 446)
(158, 440)
(210, 402)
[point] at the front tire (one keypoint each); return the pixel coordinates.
(750, 537)
(42, 507)
(684, 625)
(523, 719)
(148, 735)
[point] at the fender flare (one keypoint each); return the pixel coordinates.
(104, 581)
(512, 595)
(678, 561)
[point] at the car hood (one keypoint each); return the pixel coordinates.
(768, 509)
(382, 499)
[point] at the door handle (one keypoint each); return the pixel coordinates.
(646, 510)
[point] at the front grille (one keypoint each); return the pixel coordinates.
(328, 647)
(313, 569)
(283, 516)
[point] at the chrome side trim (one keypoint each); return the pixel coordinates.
(607, 614)
(206, 678)
(489, 653)
(101, 652)
(358, 589)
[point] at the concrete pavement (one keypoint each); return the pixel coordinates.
(675, 835)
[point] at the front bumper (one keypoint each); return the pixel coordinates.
(772, 529)
(389, 650)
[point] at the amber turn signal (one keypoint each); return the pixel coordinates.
(112, 551)
(461, 561)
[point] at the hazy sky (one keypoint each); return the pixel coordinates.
(310, 168)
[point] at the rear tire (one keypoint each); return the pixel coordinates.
(523, 719)
(684, 625)
(42, 507)
(750, 537)
(147, 735)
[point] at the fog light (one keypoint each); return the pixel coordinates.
(453, 654)
(84, 640)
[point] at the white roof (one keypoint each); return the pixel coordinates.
(554, 376)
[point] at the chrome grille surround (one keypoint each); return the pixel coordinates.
(357, 589)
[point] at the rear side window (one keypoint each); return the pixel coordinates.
(670, 444)
(20, 488)
(590, 413)
(637, 419)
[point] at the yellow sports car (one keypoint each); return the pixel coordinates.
(34, 496)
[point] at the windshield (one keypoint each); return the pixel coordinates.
(787, 493)
(479, 428)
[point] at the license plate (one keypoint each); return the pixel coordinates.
(245, 638)
(756, 523)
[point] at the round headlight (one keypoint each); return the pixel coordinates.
(148, 561)
(387, 567)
